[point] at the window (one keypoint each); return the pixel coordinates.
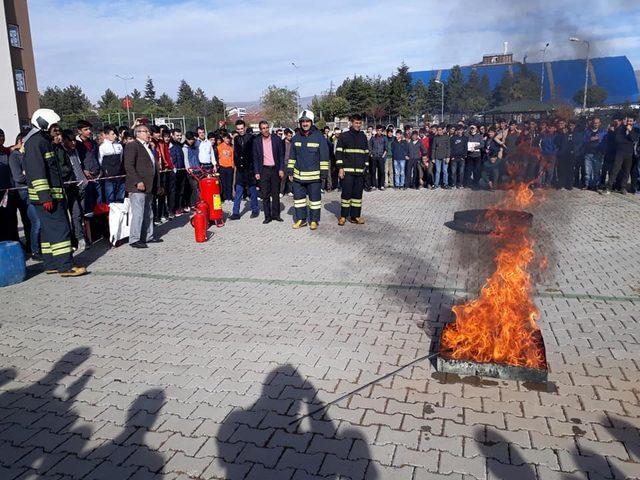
(14, 36)
(21, 83)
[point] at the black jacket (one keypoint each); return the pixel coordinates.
(352, 152)
(243, 160)
(41, 167)
(626, 140)
(89, 158)
(459, 146)
(277, 149)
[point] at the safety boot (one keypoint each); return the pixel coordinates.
(299, 224)
(313, 225)
(357, 220)
(342, 221)
(74, 272)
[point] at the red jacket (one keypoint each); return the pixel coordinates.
(165, 156)
(426, 143)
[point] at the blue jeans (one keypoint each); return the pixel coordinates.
(253, 198)
(399, 166)
(32, 221)
(442, 168)
(114, 191)
(592, 169)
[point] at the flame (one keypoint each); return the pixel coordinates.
(500, 325)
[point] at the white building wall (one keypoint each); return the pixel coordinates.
(9, 121)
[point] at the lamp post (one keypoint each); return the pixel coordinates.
(126, 93)
(297, 85)
(441, 101)
(544, 50)
(586, 70)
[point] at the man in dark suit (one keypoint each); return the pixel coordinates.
(268, 165)
(141, 183)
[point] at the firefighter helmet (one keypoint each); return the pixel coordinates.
(43, 118)
(306, 115)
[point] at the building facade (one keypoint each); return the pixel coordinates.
(562, 78)
(18, 82)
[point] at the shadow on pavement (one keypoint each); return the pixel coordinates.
(262, 438)
(585, 462)
(42, 433)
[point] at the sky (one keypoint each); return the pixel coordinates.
(236, 49)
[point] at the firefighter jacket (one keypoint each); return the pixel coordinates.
(352, 152)
(42, 169)
(309, 157)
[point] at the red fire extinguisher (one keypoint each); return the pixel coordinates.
(210, 193)
(200, 224)
(202, 207)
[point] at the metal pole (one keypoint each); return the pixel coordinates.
(586, 78)
(126, 93)
(442, 103)
(542, 73)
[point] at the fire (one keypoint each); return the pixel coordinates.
(500, 325)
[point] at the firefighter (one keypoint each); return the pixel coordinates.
(307, 166)
(352, 160)
(45, 190)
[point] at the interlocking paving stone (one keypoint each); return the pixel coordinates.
(196, 359)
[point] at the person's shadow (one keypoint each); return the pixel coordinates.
(270, 437)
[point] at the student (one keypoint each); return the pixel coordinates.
(400, 151)
(417, 153)
(458, 154)
(441, 155)
(225, 167)
(110, 160)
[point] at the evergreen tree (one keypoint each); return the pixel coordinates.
(596, 96)
(68, 101)
(502, 92)
(378, 102)
(454, 91)
(434, 97)
(398, 92)
(280, 105)
(185, 95)
(165, 103)
(109, 101)
(136, 95)
(149, 91)
(419, 99)
(474, 98)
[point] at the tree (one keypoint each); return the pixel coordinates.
(434, 97)
(185, 95)
(419, 98)
(165, 103)
(502, 92)
(70, 100)
(109, 102)
(455, 90)
(398, 93)
(149, 91)
(279, 104)
(476, 94)
(526, 85)
(330, 106)
(357, 91)
(596, 96)
(136, 95)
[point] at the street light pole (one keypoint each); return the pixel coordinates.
(441, 101)
(586, 71)
(297, 86)
(126, 93)
(544, 50)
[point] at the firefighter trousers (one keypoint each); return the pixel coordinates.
(307, 194)
(55, 237)
(351, 198)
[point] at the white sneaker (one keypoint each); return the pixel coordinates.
(82, 245)
(281, 195)
(291, 194)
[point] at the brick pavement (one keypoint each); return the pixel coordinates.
(192, 361)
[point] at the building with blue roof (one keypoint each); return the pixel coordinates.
(562, 78)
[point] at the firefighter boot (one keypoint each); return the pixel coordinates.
(299, 224)
(313, 225)
(357, 220)
(342, 221)
(74, 272)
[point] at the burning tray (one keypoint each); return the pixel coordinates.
(446, 364)
(476, 221)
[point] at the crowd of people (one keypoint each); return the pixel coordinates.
(152, 165)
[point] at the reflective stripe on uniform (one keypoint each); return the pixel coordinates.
(298, 144)
(300, 203)
(355, 150)
(354, 170)
(356, 203)
(345, 203)
(313, 173)
(60, 248)
(49, 155)
(339, 149)
(45, 248)
(324, 165)
(313, 145)
(315, 205)
(291, 163)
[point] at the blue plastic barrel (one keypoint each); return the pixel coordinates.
(12, 264)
